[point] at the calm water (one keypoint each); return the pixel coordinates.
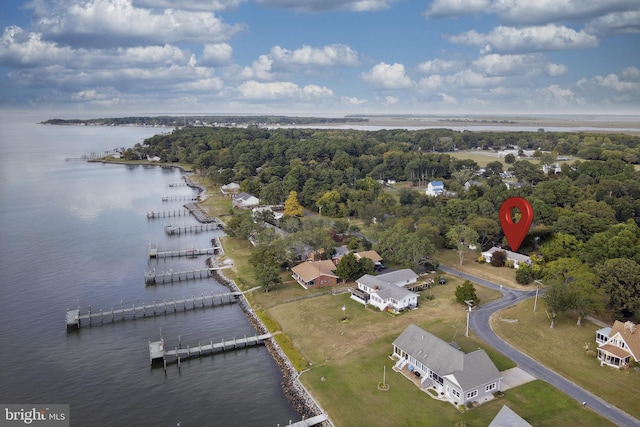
(76, 234)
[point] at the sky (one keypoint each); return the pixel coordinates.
(329, 57)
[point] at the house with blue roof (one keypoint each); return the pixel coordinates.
(435, 188)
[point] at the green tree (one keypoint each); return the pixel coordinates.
(557, 299)
(461, 236)
(466, 292)
(292, 206)
(348, 268)
(267, 276)
(620, 279)
(509, 159)
(524, 274)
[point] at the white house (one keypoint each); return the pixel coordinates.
(618, 344)
(387, 291)
(260, 210)
(516, 258)
(459, 377)
(435, 188)
(245, 200)
(230, 188)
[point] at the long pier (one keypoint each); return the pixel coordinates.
(192, 252)
(152, 278)
(167, 214)
(177, 198)
(195, 228)
(74, 318)
(158, 352)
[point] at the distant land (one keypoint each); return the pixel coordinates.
(204, 120)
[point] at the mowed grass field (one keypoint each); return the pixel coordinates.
(346, 361)
(563, 349)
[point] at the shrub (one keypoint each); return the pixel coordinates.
(498, 258)
(524, 274)
(481, 260)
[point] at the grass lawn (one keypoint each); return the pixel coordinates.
(532, 335)
(343, 361)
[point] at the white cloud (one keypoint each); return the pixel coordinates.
(326, 56)
(105, 22)
(352, 100)
(387, 76)
(21, 49)
(440, 65)
(453, 8)
(547, 11)
(529, 12)
(431, 83)
(472, 79)
(282, 91)
(528, 39)
(616, 23)
(556, 96)
(203, 5)
(216, 54)
(448, 99)
(326, 5)
(504, 65)
(260, 69)
(628, 82)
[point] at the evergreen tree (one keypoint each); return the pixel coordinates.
(467, 292)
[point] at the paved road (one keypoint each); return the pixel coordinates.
(480, 325)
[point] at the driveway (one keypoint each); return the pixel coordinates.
(479, 323)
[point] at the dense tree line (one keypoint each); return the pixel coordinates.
(587, 216)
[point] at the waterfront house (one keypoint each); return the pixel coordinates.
(435, 188)
(618, 344)
(516, 258)
(230, 189)
(245, 200)
(387, 291)
(315, 274)
(456, 376)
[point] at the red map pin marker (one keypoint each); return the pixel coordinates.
(515, 231)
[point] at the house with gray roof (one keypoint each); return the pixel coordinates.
(387, 291)
(518, 259)
(508, 418)
(457, 376)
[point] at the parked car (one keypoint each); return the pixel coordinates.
(442, 280)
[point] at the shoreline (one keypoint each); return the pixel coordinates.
(296, 393)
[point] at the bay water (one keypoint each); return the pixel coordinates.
(75, 234)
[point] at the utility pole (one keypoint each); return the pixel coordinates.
(469, 304)
(535, 302)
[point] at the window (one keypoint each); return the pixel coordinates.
(436, 378)
(472, 394)
(455, 392)
(490, 387)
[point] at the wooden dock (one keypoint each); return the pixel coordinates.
(178, 198)
(191, 252)
(153, 278)
(158, 352)
(167, 214)
(178, 184)
(318, 419)
(195, 228)
(74, 318)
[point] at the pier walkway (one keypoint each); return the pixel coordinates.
(152, 278)
(157, 349)
(195, 228)
(74, 318)
(318, 419)
(167, 214)
(192, 252)
(178, 198)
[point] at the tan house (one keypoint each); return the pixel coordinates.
(372, 255)
(618, 344)
(315, 274)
